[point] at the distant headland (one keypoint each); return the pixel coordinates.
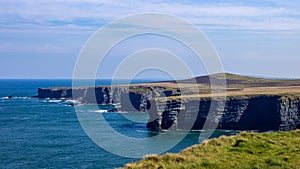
(250, 104)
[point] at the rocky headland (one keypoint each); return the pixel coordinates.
(247, 103)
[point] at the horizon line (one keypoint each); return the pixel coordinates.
(107, 78)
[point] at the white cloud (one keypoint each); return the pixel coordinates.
(37, 27)
(7, 47)
(94, 13)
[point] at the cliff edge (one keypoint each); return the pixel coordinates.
(245, 150)
(250, 103)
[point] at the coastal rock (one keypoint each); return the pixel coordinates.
(260, 112)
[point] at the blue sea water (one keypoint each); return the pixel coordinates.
(38, 133)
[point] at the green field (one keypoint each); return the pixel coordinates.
(243, 151)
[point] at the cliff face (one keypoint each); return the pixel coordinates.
(289, 111)
(129, 99)
(266, 112)
(260, 113)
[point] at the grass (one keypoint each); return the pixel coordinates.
(237, 86)
(139, 89)
(243, 151)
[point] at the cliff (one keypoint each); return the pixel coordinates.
(260, 113)
(251, 103)
(129, 99)
(263, 112)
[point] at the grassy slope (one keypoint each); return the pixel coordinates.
(237, 85)
(246, 150)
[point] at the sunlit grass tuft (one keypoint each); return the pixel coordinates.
(246, 150)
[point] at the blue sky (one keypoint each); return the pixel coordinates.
(42, 39)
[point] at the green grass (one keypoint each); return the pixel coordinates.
(243, 151)
(139, 89)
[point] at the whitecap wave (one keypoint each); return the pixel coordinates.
(142, 131)
(101, 111)
(122, 112)
(15, 97)
(54, 100)
(23, 97)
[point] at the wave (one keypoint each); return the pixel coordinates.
(54, 100)
(68, 102)
(98, 111)
(17, 97)
(107, 111)
(101, 111)
(142, 131)
(122, 112)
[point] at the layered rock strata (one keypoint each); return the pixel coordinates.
(257, 112)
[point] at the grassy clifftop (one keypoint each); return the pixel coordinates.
(246, 150)
(236, 86)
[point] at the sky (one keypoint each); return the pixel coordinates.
(43, 39)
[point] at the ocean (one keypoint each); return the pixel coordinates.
(41, 133)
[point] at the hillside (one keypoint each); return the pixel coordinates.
(234, 80)
(246, 150)
(236, 85)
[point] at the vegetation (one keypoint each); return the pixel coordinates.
(246, 150)
(139, 89)
(236, 86)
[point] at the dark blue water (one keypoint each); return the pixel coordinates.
(36, 133)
